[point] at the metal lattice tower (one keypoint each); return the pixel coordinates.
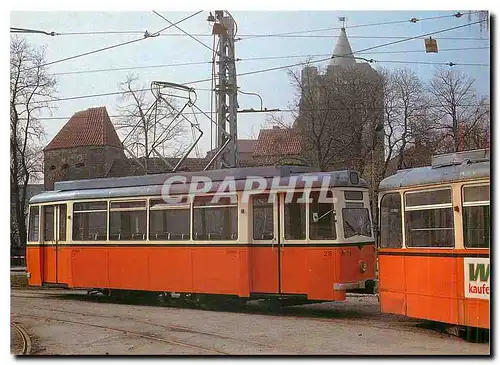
(226, 91)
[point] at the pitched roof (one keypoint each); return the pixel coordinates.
(277, 142)
(343, 51)
(91, 127)
(246, 145)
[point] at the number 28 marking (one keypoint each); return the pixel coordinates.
(327, 253)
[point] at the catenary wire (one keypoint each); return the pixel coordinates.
(281, 67)
(285, 110)
(146, 36)
(186, 33)
(256, 59)
(247, 36)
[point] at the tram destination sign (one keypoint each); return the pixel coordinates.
(477, 277)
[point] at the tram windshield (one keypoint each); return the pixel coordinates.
(356, 222)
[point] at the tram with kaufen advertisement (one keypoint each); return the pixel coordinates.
(434, 244)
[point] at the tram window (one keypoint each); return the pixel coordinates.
(390, 221)
(214, 221)
(168, 224)
(263, 217)
(322, 217)
(127, 221)
(429, 219)
(48, 223)
(356, 222)
(353, 195)
(432, 197)
(476, 194)
(476, 216)
(34, 224)
(62, 222)
(295, 218)
(89, 221)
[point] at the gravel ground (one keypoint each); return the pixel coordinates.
(66, 322)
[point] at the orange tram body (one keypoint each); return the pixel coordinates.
(120, 234)
(433, 255)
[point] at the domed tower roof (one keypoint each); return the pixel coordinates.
(342, 52)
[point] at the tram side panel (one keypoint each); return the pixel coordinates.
(218, 270)
(432, 287)
(90, 267)
(171, 269)
(429, 287)
(34, 264)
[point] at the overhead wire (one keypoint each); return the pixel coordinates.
(411, 20)
(290, 65)
(248, 36)
(284, 110)
(183, 31)
(146, 36)
(253, 59)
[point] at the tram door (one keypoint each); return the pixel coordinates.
(277, 255)
(292, 255)
(264, 251)
(54, 231)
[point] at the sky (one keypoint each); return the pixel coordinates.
(467, 44)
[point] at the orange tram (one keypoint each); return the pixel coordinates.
(120, 234)
(433, 255)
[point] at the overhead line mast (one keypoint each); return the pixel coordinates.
(226, 91)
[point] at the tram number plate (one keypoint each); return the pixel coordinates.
(327, 253)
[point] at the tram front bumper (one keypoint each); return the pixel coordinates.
(348, 286)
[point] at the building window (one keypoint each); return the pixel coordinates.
(169, 222)
(48, 223)
(263, 217)
(62, 222)
(127, 220)
(90, 221)
(34, 224)
(322, 218)
(476, 216)
(215, 220)
(391, 231)
(295, 218)
(429, 219)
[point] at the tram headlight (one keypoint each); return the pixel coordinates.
(362, 266)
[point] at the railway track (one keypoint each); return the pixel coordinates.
(289, 312)
(25, 339)
(129, 332)
(173, 328)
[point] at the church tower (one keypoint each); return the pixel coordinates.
(363, 86)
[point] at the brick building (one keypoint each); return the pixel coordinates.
(86, 147)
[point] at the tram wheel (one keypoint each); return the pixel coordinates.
(476, 335)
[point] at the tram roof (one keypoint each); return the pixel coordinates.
(151, 185)
(446, 168)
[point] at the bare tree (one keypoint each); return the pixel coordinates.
(337, 115)
(406, 119)
(30, 84)
(150, 129)
(457, 111)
